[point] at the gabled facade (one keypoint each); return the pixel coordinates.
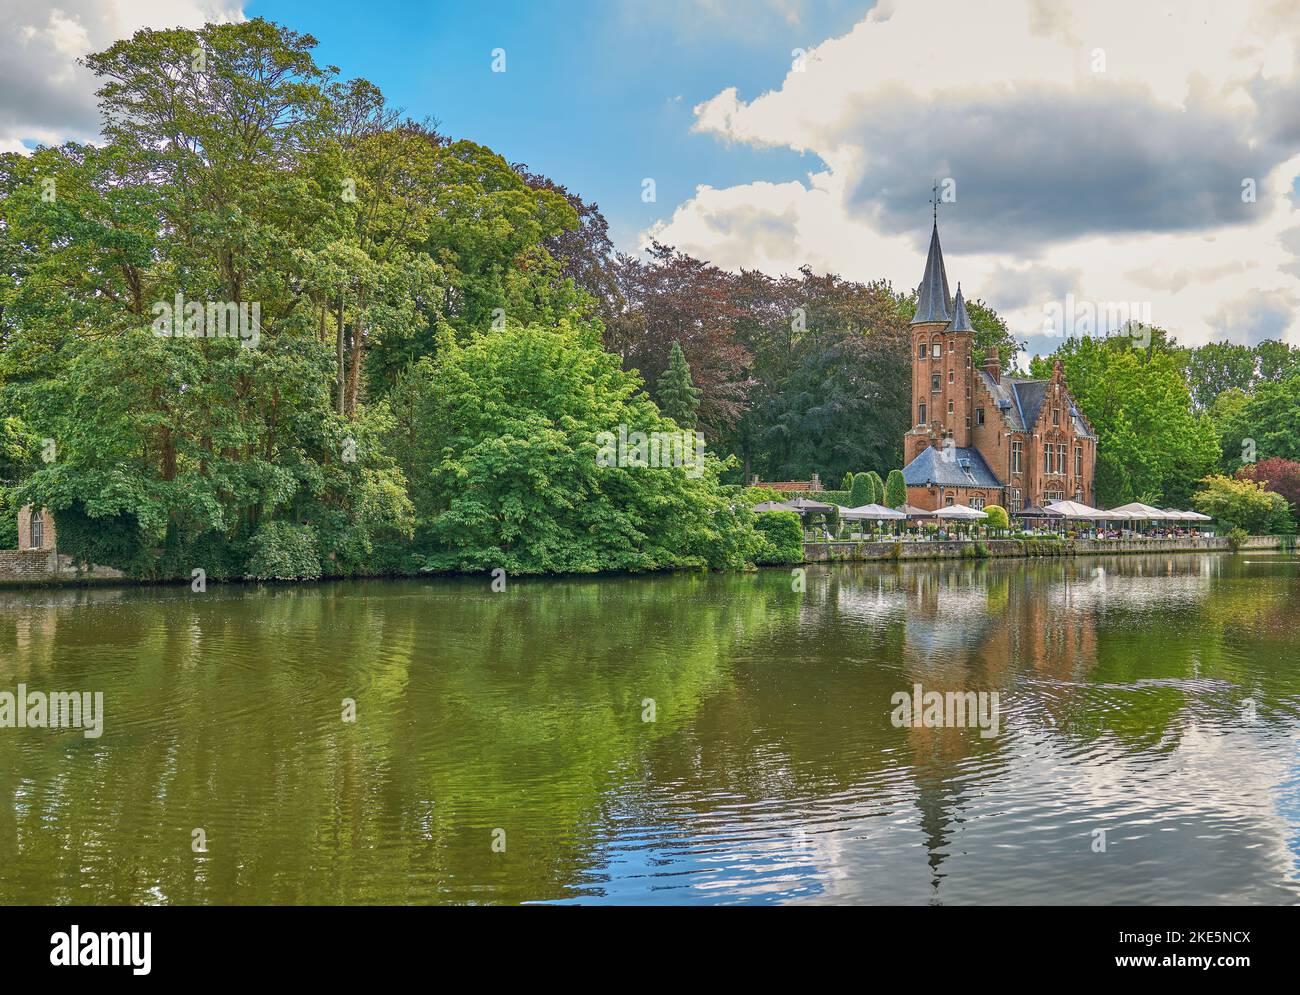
(979, 437)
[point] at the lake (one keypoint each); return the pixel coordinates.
(667, 739)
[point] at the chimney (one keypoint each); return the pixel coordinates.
(816, 483)
(993, 366)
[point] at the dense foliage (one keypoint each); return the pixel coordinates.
(430, 342)
(1243, 504)
(782, 538)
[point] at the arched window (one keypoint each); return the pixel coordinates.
(38, 529)
(920, 354)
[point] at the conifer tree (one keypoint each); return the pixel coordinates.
(678, 398)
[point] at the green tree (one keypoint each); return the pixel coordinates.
(1150, 440)
(1215, 367)
(1268, 420)
(516, 465)
(678, 398)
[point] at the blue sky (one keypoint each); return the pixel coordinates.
(1098, 151)
(596, 98)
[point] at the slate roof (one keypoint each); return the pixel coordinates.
(932, 300)
(960, 319)
(1023, 402)
(966, 469)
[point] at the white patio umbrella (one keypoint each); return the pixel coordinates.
(872, 513)
(960, 512)
(1173, 515)
(1075, 509)
(1142, 512)
(1115, 515)
(911, 511)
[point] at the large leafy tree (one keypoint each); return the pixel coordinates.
(670, 297)
(829, 376)
(1215, 367)
(1152, 446)
(505, 431)
(1267, 421)
(209, 187)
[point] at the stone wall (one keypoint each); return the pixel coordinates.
(39, 566)
(824, 552)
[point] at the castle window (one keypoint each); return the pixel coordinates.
(979, 416)
(38, 529)
(950, 376)
(935, 350)
(1013, 498)
(920, 413)
(921, 351)
(968, 423)
(977, 502)
(950, 407)
(1017, 455)
(1056, 417)
(1047, 459)
(948, 502)
(1062, 459)
(934, 381)
(1078, 461)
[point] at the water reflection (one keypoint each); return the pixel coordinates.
(771, 771)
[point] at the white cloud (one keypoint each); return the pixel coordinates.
(45, 96)
(1098, 147)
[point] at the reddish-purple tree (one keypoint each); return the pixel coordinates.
(1282, 476)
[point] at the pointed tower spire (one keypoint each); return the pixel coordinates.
(960, 319)
(932, 294)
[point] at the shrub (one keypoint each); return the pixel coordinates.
(1242, 504)
(283, 551)
(1237, 538)
(998, 518)
(895, 490)
(781, 535)
(862, 492)
(877, 487)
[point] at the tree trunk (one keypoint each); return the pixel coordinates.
(341, 367)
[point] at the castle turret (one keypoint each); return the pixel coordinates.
(933, 314)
